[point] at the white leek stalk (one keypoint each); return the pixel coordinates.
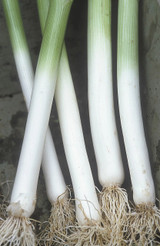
(114, 200)
(23, 198)
(145, 222)
(51, 167)
(88, 213)
(100, 94)
(62, 212)
(57, 195)
(87, 206)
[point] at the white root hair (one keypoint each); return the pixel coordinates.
(16, 231)
(115, 212)
(62, 216)
(145, 225)
(94, 233)
(91, 233)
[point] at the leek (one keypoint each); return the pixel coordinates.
(145, 219)
(88, 212)
(17, 228)
(114, 199)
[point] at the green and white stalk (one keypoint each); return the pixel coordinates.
(62, 212)
(23, 198)
(87, 206)
(114, 200)
(88, 212)
(51, 167)
(145, 220)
